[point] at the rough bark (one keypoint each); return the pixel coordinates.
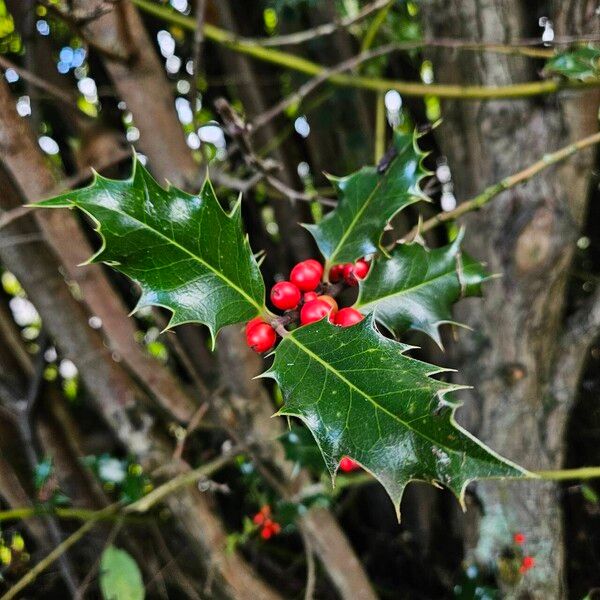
(161, 136)
(528, 235)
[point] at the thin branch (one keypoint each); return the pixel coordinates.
(311, 572)
(41, 566)
(408, 88)
(239, 130)
(508, 182)
(316, 32)
(52, 90)
(306, 88)
(196, 62)
(140, 506)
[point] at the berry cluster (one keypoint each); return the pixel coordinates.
(304, 299)
(268, 527)
(528, 562)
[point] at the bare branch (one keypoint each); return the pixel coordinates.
(507, 183)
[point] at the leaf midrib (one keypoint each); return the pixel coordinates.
(402, 292)
(337, 373)
(358, 214)
(183, 249)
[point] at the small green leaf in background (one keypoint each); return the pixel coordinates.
(415, 288)
(186, 253)
(361, 396)
(120, 577)
(578, 63)
(368, 199)
(300, 447)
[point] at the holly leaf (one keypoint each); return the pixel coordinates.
(368, 199)
(186, 253)
(578, 63)
(362, 397)
(415, 287)
(120, 577)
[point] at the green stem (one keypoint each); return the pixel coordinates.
(379, 126)
(408, 88)
(566, 474)
(374, 27)
(30, 512)
(41, 566)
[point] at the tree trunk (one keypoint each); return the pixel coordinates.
(528, 236)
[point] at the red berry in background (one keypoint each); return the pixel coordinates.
(306, 275)
(253, 322)
(347, 317)
(519, 538)
(261, 337)
(331, 301)
(285, 295)
(347, 464)
(528, 562)
(266, 533)
(349, 276)
(361, 268)
(310, 296)
(336, 273)
(313, 311)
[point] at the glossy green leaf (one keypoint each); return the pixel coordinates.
(185, 252)
(120, 577)
(367, 200)
(578, 63)
(415, 288)
(361, 396)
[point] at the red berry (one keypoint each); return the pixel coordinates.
(347, 464)
(275, 528)
(309, 297)
(307, 275)
(346, 317)
(285, 295)
(336, 273)
(311, 262)
(313, 311)
(266, 533)
(261, 337)
(349, 276)
(519, 538)
(252, 323)
(528, 562)
(331, 301)
(258, 519)
(361, 268)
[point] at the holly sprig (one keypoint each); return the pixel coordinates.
(366, 402)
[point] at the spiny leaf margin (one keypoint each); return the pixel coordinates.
(401, 454)
(415, 287)
(365, 205)
(201, 273)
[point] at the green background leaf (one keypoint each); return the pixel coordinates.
(186, 253)
(415, 288)
(361, 396)
(579, 63)
(368, 199)
(120, 577)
